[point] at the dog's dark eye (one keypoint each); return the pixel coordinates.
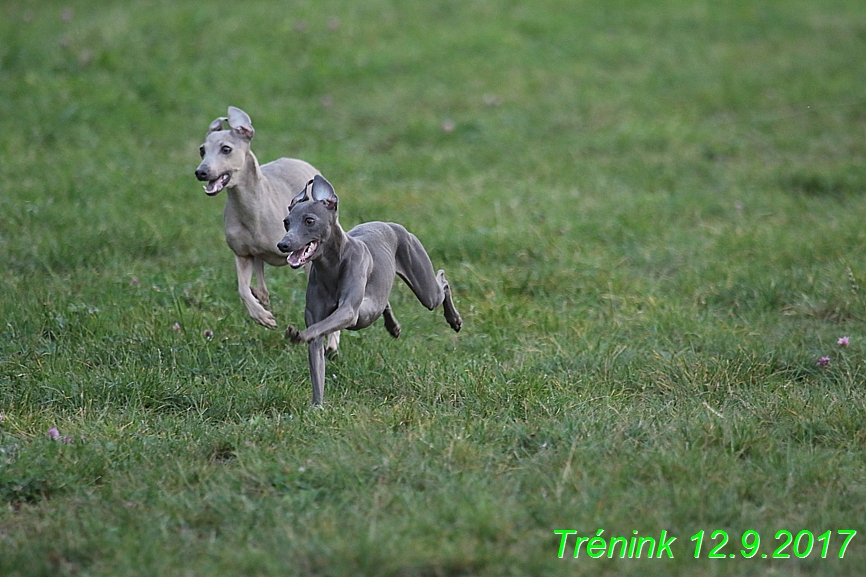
(309, 221)
(226, 149)
(201, 151)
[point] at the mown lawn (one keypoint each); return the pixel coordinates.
(651, 214)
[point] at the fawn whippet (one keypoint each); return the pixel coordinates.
(256, 204)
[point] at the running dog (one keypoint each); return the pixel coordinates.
(257, 197)
(352, 274)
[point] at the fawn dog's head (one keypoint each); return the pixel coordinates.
(224, 152)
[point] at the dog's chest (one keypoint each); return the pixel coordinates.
(247, 240)
(322, 300)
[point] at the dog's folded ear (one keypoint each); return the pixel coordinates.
(217, 124)
(323, 191)
(240, 122)
(301, 196)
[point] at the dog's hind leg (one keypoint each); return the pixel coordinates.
(260, 291)
(451, 314)
(415, 268)
(262, 316)
(391, 323)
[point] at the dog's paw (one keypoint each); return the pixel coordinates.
(451, 315)
(332, 345)
(393, 327)
(261, 295)
(294, 335)
(267, 320)
(262, 316)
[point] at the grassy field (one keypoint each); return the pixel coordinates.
(652, 217)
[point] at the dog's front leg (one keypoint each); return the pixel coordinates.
(260, 291)
(262, 316)
(345, 316)
(342, 318)
(316, 355)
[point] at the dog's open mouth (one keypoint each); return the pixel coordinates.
(301, 256)
(217, 184)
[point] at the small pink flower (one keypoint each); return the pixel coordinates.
(134, 281)
(843, 342)
(823, 361)
(53, 433)
(175, 327)
(66, 440)
(208, 334)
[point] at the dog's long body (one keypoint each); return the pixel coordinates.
(352, 273)
(256, 203)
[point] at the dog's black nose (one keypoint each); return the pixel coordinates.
(200, 174)
(284, 247)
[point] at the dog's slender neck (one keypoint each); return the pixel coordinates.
(328, 264)
(247, 180)
(244, 192)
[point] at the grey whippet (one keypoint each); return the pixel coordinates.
(256, 204)
(352, 273)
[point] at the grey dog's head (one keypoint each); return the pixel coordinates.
(310, 223)
(224, 151)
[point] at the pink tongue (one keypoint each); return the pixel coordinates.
(216, 185)
(294, 259)
(299, 257)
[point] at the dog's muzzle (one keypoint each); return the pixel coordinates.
(298, 258)
(213, 186)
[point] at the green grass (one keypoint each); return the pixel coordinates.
(651, 214)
